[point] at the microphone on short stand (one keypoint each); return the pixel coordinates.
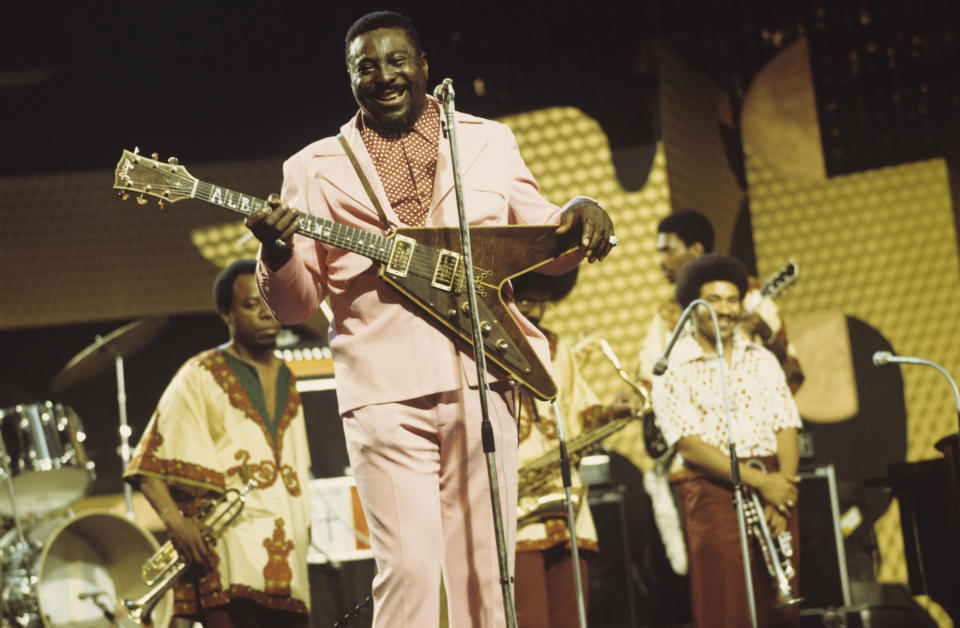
(660, 367)
(881, 358)
(949, 445)
(94, 596)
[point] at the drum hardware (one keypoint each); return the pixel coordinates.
(44, 458)
(74, 571)
(92, 361)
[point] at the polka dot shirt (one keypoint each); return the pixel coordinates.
(406, 162)
(688, 398)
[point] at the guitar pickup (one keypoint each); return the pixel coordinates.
(445, 272)
(400, 255)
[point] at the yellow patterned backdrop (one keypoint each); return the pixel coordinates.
(880, 246)
(569, 155)
(877, 245)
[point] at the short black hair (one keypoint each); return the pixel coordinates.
(690, 226)
(557, 286)
(381, 19)
(223, 284)
(706, 268)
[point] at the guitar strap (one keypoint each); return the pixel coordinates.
(364, 180)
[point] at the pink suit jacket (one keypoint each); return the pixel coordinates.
(384, 349)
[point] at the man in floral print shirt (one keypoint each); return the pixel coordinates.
(689, 405)
(232, 414)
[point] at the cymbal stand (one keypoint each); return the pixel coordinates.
(124, 431)
(7, 478)
(17, 593)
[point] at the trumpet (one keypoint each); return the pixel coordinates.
(776, 552)
(165, 567)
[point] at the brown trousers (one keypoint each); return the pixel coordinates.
(243, 613)
(717, 586)
(544, 588)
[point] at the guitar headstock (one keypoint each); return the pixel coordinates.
(781, 280)
(168, 182)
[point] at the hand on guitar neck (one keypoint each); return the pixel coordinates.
(274, 225)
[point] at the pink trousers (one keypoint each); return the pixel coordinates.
(422, 478)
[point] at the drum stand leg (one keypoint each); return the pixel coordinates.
(17, 593)
(124, 433)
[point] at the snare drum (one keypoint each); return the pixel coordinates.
(47, 462)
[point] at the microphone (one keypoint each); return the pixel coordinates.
(885, 357)
(882, 357)
(661, 365)
(444, 90)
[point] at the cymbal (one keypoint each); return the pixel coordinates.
(101, 355)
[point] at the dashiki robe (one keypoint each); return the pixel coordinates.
(209, 433)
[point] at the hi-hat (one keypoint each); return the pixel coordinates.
(102, 354)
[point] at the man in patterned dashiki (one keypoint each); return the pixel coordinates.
(689, 405)
(229, 415)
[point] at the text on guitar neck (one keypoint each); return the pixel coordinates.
(423, 263)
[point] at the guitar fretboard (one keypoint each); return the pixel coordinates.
(372, 245)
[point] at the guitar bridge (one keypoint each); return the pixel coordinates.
(400, 255)
(445, 272)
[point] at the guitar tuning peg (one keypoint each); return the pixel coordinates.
(173, 161)
(160, 203)
(124, 195)
(155, 156)
(136, 150)
(141, 200)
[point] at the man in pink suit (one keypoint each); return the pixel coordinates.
(408, 393)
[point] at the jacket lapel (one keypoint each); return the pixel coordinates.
(335, 168)
(471, 144)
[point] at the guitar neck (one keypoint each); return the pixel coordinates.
(366, 243)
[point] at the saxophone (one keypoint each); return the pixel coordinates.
(538, 496)
(165, 566)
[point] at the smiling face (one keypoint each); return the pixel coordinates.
(725, 299)
(388, 76)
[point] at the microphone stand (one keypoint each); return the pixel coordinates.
(571, 516)
(949, 445)
(445, 94)
(734, 461)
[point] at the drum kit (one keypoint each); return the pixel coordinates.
(59, 568)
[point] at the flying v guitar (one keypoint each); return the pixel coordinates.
(422, 263)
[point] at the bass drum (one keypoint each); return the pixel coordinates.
(48, 464)
(89, 564)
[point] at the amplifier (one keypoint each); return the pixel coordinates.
(824, 582)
